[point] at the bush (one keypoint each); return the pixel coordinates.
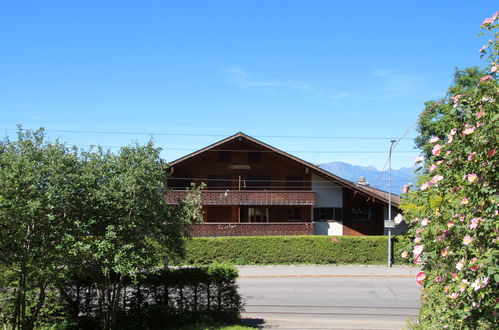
(165, 298)
(290, 250)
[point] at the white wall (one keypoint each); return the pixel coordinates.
(327, 193)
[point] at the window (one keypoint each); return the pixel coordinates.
(183, 182)
(254, 157)
(219, 182)
(293, 182)
(224, 157)
(257, 182)
(258, 214)
(361, 214)
(328, 213)
(294, 214)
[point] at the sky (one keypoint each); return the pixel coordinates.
(324, 80)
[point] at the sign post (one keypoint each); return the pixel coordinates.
(420, 277)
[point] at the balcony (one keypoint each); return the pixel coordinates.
(247, 197)
(252, 229)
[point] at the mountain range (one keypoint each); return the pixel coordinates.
(376, 178)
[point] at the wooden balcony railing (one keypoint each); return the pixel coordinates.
(253, 229)
(247, 197)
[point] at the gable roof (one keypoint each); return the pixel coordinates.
(375, 194)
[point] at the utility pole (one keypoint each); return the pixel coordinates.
(390, 202)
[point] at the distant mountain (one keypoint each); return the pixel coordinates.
(353, 172)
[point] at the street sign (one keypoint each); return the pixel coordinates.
(389, 224)
(420, 277)
(418, 259)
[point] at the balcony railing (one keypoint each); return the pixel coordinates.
(253, 229)
(247, 197)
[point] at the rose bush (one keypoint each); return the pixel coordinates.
(453, 209)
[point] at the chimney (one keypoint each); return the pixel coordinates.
(362, 182)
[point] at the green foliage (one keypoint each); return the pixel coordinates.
(453, 214)
(153, 299)
(290, 250)
(62, 209)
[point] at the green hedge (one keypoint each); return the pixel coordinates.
(291, 250)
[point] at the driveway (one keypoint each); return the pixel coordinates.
(329, 297)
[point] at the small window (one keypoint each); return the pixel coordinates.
(254, 157)
(361, 214)
(293, 182)
(224, 157)
(328, 213)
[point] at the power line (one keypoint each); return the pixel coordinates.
(211, 135)
(259, 151)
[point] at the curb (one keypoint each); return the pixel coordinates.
(323, 276)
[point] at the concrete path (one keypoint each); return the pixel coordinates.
(329, 297)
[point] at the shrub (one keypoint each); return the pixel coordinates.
(290, 250)
(153, 300)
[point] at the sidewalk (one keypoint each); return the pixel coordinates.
(327, 271)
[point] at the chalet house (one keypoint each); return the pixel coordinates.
(253, 188)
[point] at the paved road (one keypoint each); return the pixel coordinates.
(322, 297)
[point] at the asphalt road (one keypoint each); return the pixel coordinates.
(352, 297)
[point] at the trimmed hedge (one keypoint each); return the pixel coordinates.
(163, 299)
(291, 250)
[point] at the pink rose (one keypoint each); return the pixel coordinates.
(487, 22)
(425, 186)
(437, 150)
(450, 224)
(467, 240)
(434, 139)
(472, 177)
(406, 187)
(398, 219)
(432, 168)
(487, 77)
(465, 201)
(468, 131)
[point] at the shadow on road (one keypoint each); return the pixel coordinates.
(254, 322)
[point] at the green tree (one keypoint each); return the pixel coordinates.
(453, 213)
(63, 211)
(124, 215)
(38, 203)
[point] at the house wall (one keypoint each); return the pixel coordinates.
(357, 228)
(327, 193)
(207, 164)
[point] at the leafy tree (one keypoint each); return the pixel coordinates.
(123, 210)
(38, 203)
(64, 211)
(435, 119)
(453, 214)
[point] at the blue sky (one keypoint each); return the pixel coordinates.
(213, 68)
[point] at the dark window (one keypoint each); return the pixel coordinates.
(182, 182)
(293, 182)
(219, 182)
(328, 213)
(254, 157)
(361, 214)
(294, 214)
(224, 157)
(256, 182)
